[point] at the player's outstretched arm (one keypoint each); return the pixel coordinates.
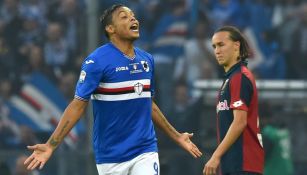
(182, 139)
(42, 152)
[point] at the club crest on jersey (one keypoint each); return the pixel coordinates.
(138, 88)
(145, 65)
(82, 76)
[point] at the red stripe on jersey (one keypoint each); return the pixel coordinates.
(102, 90)
(253, 156)
(235, 85)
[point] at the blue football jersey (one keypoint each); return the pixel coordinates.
(121, 89)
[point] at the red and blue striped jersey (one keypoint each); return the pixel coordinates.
(239, 92)
(120, 89)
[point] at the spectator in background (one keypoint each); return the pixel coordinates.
(67, 84)
(37, 8)
(8, 128)
(10, 12)
(56, 49)
(276, 143)
(286, 19)
(6, 89)
(168, 38)
(70, 15)
(10, 9)
(260, 13)
(26, 136)
(187, 110)
(12, 135)
(36, 63)
(228, 12)
(20, 169)
(31, 32)
(9, 66)
(149, 13)
(273, 65)
(199, 58)
(298, 52)
(186, 116)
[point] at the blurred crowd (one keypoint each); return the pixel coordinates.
(49, 37)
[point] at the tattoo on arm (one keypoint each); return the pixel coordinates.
(63, 129)
(55, 141)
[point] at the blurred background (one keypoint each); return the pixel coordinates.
(43, 44)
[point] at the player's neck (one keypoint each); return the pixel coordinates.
(229, 66)
(126, 47)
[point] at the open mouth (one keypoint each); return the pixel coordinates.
(134, 27)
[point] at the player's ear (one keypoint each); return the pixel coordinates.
(110, 29)
(237, 46)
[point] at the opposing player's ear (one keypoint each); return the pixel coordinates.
(237, 46)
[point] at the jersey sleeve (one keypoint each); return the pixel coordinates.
(90, 76)
(241, 91)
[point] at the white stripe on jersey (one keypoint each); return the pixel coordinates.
(124, 84)
(128, 96)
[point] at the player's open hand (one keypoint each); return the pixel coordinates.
(41, 154)
(188, 145)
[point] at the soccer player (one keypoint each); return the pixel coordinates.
(240, 150)
(118, 78)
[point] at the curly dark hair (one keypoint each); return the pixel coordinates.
(106, 17)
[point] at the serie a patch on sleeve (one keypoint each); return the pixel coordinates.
(82, 76)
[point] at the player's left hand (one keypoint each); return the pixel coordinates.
(185, 142)
(211, 166)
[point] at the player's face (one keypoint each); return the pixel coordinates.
(126, 26)
(226, 51)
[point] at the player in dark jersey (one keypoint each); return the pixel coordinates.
(240, 150)
(118, 78)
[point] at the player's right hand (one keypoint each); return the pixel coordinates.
(39, 157)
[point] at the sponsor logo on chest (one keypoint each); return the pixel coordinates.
(134, 68)
(222, 106)
(122, 68)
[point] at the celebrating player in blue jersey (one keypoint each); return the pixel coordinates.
(240, 150)
(118, 78)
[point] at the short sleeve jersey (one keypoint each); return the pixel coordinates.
(239, 92)
(120, 89)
